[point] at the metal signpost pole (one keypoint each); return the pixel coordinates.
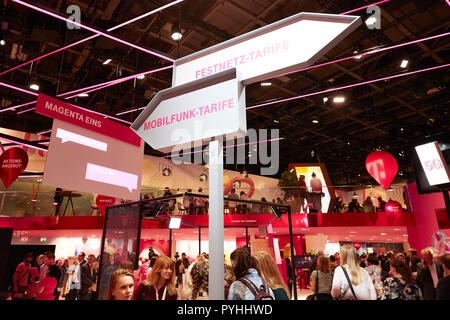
(216, 226)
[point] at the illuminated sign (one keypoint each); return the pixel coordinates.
(289, 44)
(433, 163)
(194, 112)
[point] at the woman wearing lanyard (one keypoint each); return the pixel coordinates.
(161, 283)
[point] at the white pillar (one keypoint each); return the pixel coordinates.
(216, 229)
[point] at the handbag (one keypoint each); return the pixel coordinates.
(316, 290)
(349, 282)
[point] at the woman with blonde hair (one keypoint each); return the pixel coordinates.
(350, 281)
(161, 283)
(322, 278)
(121, 285)
(269, 271)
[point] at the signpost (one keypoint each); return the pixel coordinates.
(191, 114)
(207, 100)
(286, 45)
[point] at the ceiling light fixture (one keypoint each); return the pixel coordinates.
(176, 32)
(2, 42)
(107, 61)
(34, 86)
(404, 64)
(140, 77)
(83, 95)
(266, 84)
(315, 120)
(339, 99)
(325, 99)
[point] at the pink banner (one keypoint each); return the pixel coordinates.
(56, 109)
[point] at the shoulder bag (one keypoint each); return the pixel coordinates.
(349, 282)
(316, 290)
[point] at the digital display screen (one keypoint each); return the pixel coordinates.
(433, 163)
(87, 161)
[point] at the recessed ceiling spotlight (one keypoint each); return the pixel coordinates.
(404, 64)
(339, 99)
(2, 42)
(276, 121)
(325, 99)
(141, 77)
(315, 120)
(383, 234)
(176, 32)
(107, 61)
(370, 21)
(266, 84)
(83, 95)
(34, 87)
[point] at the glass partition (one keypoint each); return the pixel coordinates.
(120, 243)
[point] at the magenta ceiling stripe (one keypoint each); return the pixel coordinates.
(113, 82)
(369, 5)
(49, 54)
(49, 13)
(23, 111)
(93, 36)
(348, 86)
(18, 89)
(363, 54)
(22, 144)
(18, 106)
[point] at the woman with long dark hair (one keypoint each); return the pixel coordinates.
(401, 286)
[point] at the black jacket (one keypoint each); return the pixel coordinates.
(87, 279)
(425, 280)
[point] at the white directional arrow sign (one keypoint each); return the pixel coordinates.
(194, 112)
(283, 46)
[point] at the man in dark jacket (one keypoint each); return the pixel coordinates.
(88, 279)
(428, 274)
(412, 260)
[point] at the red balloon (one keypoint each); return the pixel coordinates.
(357, 245)
(104, 201)
(383, 167)
(13, 162)
(393, 207)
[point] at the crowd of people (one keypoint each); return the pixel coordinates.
(48, 279)
(248, 278)
(394, 276)
(343, 276)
